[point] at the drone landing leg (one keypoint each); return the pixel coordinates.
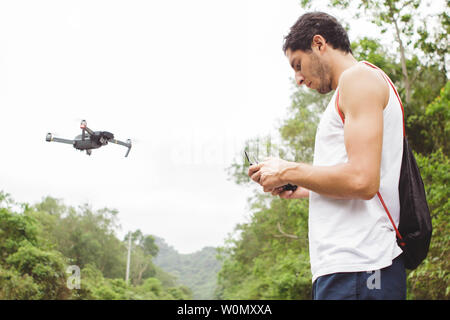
(88, 152)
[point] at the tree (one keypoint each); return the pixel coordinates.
(38, 243)
(29, 267)
(435, 44)
(437, 121)
(83, 235)
(431, 280)
(144, 249)
(261, 262)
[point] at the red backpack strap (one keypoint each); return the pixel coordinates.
(402, 243)
(399, 236)
(337, 107)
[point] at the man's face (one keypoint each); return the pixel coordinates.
(310, 69)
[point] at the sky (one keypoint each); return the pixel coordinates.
(187, 81)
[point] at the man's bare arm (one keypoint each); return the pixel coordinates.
(363, 96)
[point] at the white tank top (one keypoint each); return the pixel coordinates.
(356, 235)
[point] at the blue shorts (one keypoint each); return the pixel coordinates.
(385, 284)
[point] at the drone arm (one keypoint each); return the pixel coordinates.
(83, 127)
(89, 131)
(63, 140)
(50, 138)
(125, 144)
(119, 142)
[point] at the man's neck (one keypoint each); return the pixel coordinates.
(341, 62)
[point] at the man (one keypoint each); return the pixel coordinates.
(357, 160)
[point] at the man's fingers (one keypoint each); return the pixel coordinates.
(252, 169)
(277, 191)
(286, 194)
(256, 176)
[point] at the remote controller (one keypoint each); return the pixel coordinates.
(286, 187)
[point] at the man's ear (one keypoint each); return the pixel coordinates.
(319, 43)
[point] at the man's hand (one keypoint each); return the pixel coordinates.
(268, 173)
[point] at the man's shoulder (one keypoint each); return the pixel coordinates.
(362, 75)
(362, 82)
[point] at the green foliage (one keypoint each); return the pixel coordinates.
(371, 50)
(89, 237)
(84, 235)
(298, 130)
(435, 44)
(46, 267)
(197, 271)
(431, 280)
(95, 287)
(17, 286)
(436, 122)
(143, 250)
(426, 87)
(40, 242)
(268, 257)
(29, 267)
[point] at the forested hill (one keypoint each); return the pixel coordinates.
(197, 270)
(38, 244)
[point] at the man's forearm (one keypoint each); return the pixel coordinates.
(340, 181)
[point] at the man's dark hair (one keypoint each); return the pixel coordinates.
(312, 23)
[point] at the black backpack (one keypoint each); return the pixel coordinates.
(415, 221)
(415, 228)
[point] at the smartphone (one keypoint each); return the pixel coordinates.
(285, 187)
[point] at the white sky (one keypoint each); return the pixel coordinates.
(187, 81)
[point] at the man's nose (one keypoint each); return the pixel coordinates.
(299, 79)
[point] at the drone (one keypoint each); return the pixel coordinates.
(89, 139)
